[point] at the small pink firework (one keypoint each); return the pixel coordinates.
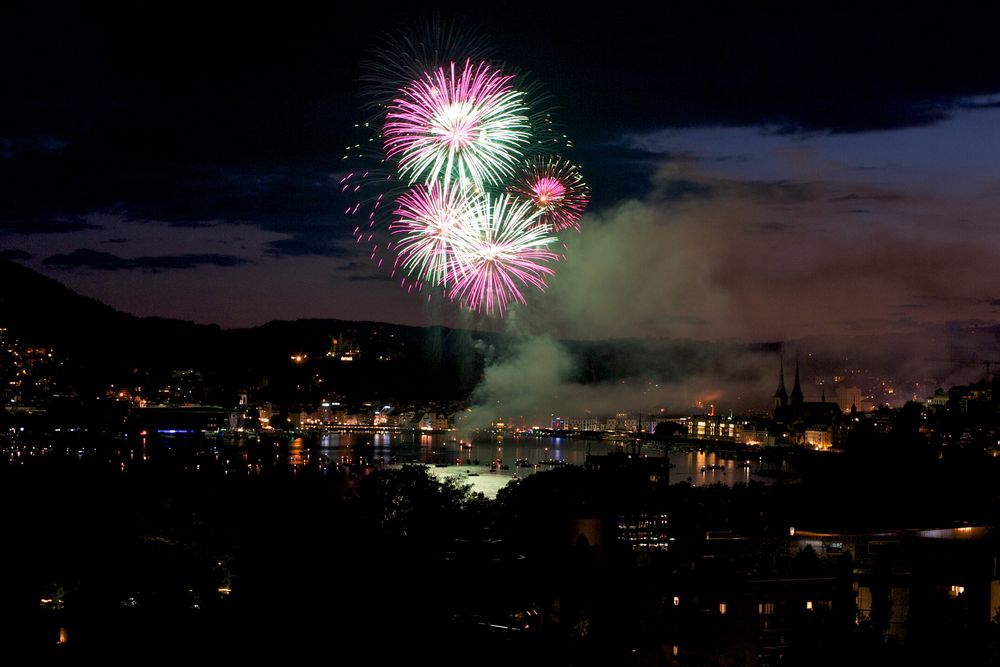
(555, 188)
(457, 124)
(501, 252)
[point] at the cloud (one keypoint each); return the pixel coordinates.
(539, 377)
(990, 101)
(11, 146)
(354, 266)
(716, 269)
(48, 226)
(326, 242)
(90, 259)
(876, 196)
(103, 261)
(370, 277)
(15, 254)
(362, 271)
(526, 382)
(53, 194)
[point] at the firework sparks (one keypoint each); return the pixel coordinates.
(555, 188)
(498, 254)
(457, 123)
(404, 56)
(428, 220)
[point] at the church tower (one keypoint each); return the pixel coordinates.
(780, 396)
(796, 398)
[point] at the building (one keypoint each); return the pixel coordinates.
(807, 423)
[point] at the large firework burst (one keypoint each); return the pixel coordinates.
(499, 253)
(428, 218)
(457, 123)
(555, 188)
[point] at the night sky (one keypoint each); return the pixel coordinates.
(755, 176)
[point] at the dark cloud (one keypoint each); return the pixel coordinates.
(685, 181)
(90, 259)
(805, 69)
(191, 224)
(362, 271)
(878, 196)
(103, 261)
(373, 276)
(616, 171)
(327, 242)
(680, 188)
(120, 239)
(302, 202)
(11, 146)
(984, 102)
(49, 226)
(776, 192)
(16, 255)
(354, 266)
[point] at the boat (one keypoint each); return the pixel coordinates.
(554, 462)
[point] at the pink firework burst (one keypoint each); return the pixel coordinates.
(457, 123)
(556, 189)
(499, 252)
(427, 221)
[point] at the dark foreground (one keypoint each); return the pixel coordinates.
(599, 565)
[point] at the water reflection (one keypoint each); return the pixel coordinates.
(329, 452)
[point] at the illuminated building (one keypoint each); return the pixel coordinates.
(819, 437)
(584, 424)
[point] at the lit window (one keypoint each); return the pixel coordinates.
(677, 601)
(722, 608)
(809, 605)
(955, 591)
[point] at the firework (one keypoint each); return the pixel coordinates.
(497, 253)
(428, 219)
(457, 177)
(402, 57)
(461, 123)
(554, 187)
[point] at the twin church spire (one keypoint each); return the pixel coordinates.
(781, 397)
